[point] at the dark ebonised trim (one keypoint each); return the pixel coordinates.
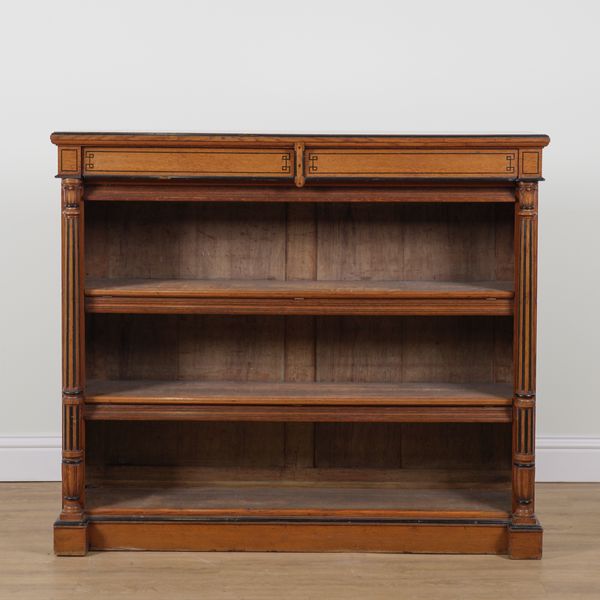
(308, 135)
(530, 527)
(59, 523)
(529, 179)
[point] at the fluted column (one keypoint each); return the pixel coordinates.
(523, 505)
(72, 352)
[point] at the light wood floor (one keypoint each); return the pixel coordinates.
(569, 570)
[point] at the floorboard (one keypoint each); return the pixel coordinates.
(29, 570)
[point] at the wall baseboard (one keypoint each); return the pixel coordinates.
(568, 458)
(559, 458)
(30, 458)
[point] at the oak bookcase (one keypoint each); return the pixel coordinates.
(299, 343)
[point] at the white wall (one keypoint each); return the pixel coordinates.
(310, 66)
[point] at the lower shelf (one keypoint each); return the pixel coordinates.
(282, 401)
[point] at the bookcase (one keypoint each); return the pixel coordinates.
(299, 343)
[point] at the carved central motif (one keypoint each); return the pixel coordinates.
(89, 160)
(510, 168)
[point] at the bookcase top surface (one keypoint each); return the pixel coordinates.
(392, 140)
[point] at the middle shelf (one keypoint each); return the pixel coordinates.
(285, 401)
(298, 297)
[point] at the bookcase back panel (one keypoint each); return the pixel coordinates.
(204, 241)
(414, 349)
(183, 444)
(233, 348)
(415, 242)
(412, 445)
(344, 241)
(189, 447)
(277, 348)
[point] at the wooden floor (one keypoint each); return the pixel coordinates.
(569, 570)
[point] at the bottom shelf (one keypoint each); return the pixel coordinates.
(305, 500)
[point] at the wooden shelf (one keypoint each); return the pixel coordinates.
(248, 401)
(298, 297)
(300, 500)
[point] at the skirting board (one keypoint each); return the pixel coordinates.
(559, 458)
(30, 458)
(567, 459)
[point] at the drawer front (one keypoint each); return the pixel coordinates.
(189, 162)
(390, 164)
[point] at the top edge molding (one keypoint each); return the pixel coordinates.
(379, 140)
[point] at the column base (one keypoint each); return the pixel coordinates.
(525, 541)
(70, 538)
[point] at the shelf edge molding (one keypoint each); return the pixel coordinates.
(291, 298)
(330, 414)
(215, 401)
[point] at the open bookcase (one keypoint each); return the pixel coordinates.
(303, 343)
